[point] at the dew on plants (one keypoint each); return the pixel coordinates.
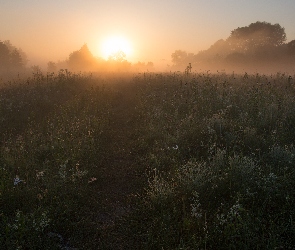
(198, 161)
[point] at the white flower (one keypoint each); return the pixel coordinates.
(16, 180)
(92, 179)
(39, 174)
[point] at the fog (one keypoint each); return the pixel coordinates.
(259, 47)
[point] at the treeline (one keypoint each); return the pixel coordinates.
(11, 58)
(14, 61)
(83, 60)
(260, 45)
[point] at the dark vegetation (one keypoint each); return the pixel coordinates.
(13, 62)
(12, 59)
(147, 161)
(150, 161)
(260, 45)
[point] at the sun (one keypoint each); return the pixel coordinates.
(112, 45)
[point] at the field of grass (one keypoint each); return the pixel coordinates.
(147, 161)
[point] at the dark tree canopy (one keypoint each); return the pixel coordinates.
(16, 59)
(256, 45)
(4, 56)
(11, 58)
(82, 58)
(180, 57)
(255, 36)
(291, 47)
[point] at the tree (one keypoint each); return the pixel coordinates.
(117, 62)
(4, 56)
(179, 57)
(36, 70)
(16, 60)
(141, 66)
(255, 36)
(236, 58)
(118, 56)
(19, 56)
(291, 47)
(81, 59)
(11, 58)
(51, 66)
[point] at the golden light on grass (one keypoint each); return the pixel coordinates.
(114, 44)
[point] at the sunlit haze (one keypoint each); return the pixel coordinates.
(146, 30)
(114, 44)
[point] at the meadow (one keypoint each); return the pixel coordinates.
(147, 161)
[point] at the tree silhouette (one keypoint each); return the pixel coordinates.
(16, 59)
(118, 56)
(250, 46)
(51, 66)
(4, 56)
(117, 62)
(141, 66)
(11, 58)
(81, 59)
(236, 58)
(256, 36)
(291, 47)
(179, 57)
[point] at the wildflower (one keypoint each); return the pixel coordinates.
(17, 180)
(39, 174)
(92, 179)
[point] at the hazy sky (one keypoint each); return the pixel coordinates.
(51, 30)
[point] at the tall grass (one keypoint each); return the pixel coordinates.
(52, 141)
(221, 150)
(149, 161)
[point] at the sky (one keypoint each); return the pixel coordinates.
(51, 30)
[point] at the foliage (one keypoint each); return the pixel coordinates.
(246, 48)
(51, 66)
(220, 150)
(147, 161)
(81, 59)
(51, 144)
(257, 35)
(180, 57)
(11, 58)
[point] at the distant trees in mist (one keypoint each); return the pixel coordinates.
(83, 60)
(13, 61)
(11, 58)
(260, 44)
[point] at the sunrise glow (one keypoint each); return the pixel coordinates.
(114, 44)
